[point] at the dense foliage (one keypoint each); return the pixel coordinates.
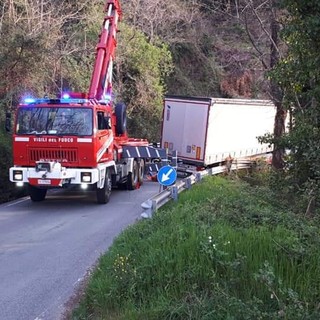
(140, 72)
(298, 75)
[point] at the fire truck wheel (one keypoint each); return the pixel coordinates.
(141, 171)
(133, 177)
(103, 195)
(36, 194)
(121, 116)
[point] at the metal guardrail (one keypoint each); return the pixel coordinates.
(171, 193)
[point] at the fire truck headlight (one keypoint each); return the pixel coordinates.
(19, 184)
(17, 175)
(86, 177)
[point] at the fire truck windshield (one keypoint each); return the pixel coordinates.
(54, 121)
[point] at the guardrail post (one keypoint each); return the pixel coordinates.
(154, 206)
(174, 193)
(198, 176)
(187, 183)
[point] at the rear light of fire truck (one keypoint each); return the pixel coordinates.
(86, 177)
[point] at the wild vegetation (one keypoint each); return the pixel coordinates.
(226, 250)
(298, 76)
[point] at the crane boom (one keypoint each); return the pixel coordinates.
(101, 80)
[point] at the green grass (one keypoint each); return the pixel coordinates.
(225, 250)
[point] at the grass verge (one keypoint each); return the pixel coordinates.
(226, 250)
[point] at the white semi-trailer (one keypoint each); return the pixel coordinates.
(206, 131)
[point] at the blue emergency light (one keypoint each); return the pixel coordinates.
(29, 100)
(65, 100)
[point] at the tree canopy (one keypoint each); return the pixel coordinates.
(298, 75)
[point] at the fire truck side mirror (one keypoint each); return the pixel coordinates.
(8, 122)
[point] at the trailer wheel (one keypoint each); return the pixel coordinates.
(36, 194)
(103, 195)
(121, 116)
(133, 177)
(141, 171)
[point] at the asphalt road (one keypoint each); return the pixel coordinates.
(47, 248)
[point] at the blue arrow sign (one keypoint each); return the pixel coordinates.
(167, 176)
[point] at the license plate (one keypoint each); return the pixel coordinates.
(44, 182)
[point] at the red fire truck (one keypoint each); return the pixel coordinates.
(80, 138)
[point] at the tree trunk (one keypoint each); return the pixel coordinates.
(279, 129)
(277, 94)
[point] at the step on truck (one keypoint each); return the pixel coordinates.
(79, 139)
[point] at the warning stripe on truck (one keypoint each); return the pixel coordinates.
(143, 152)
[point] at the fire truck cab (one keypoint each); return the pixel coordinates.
(68, 141)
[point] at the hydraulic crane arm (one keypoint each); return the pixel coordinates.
(101, 80)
